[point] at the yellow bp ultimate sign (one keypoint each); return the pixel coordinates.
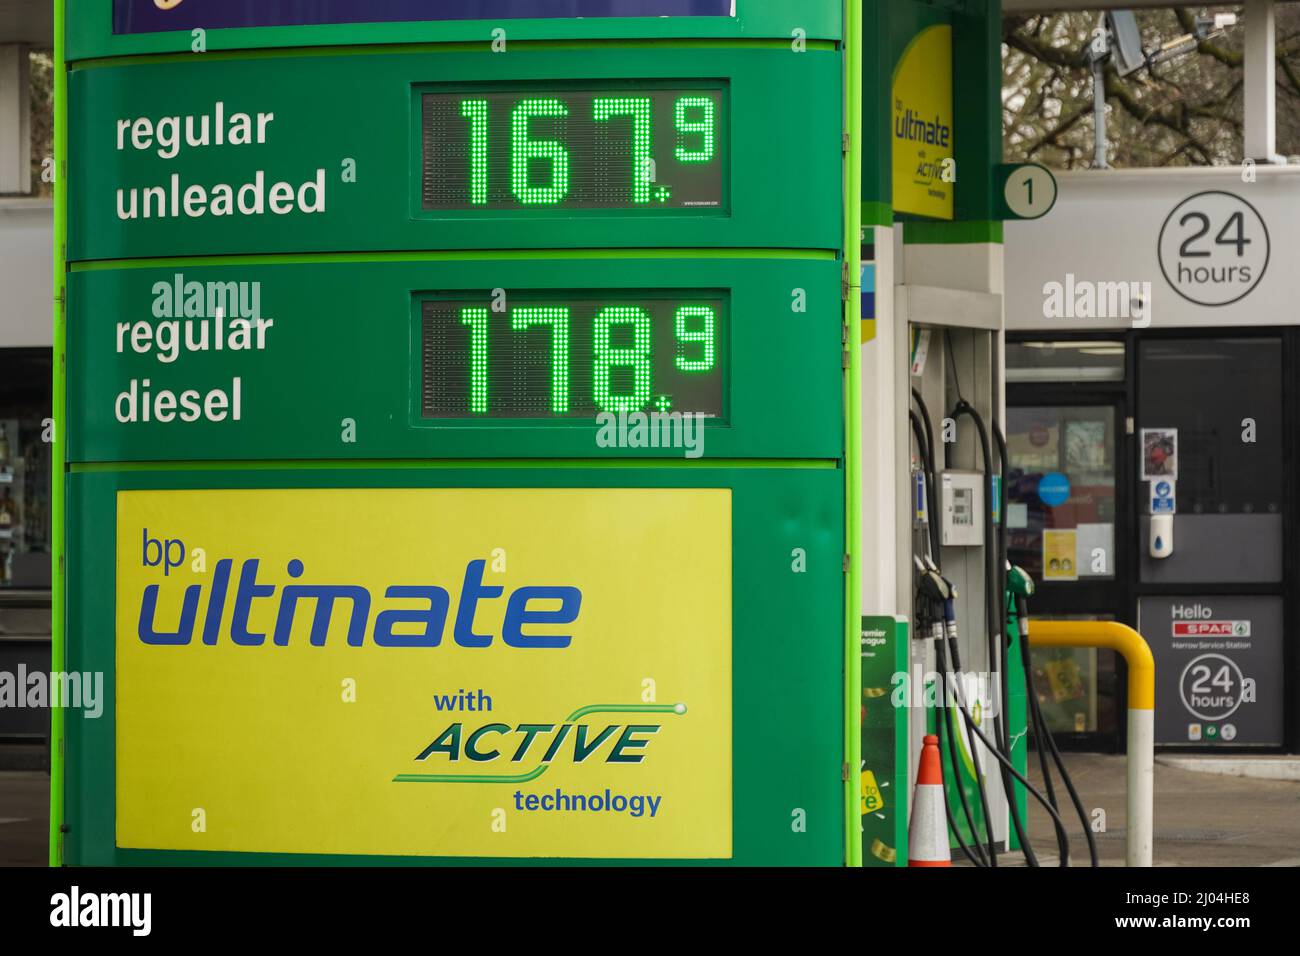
(434, 672)
(924, 174)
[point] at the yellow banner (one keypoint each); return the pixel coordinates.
(924, 170)
(434, 672)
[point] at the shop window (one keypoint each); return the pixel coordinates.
(1061, 491)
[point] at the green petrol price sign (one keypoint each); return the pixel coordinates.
(371, 329)
(537, 148)
(499, 356)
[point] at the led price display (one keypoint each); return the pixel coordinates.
(634, 148)
(557, 357)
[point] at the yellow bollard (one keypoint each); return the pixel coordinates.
(1141, 714)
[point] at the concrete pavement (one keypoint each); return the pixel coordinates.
(1201, 819)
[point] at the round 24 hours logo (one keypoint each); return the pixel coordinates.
(1212, 687)
(1213, 248)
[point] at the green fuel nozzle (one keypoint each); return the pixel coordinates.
(1021, 587)
(1019, 582)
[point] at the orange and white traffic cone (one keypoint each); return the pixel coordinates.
(927, 832)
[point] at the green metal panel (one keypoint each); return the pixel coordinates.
(342, 347)
(1017, 716)
(977, 106)
(877, 113)
(344, 284)
(854, 235)
(90, 31)
(58, 448)
(959, 232)
(783, 182)
(787, 645)
(977, 119)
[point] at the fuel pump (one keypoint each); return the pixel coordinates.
(950, 632)
(936, 620)
(933, 591)
(995, 635)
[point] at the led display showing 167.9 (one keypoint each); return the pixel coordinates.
(572, 356)
(633, 148)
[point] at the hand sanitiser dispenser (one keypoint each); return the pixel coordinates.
(1162, 536)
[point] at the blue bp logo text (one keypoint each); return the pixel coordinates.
(413, 614)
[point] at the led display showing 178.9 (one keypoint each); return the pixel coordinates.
(637, 147)
(558, 356)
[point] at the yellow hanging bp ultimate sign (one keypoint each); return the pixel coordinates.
(924, 174)
(433, 672)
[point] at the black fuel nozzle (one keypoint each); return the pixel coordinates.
(933, 586)
(941, 593)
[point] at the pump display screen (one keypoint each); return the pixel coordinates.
(630, 147)
(549, 356)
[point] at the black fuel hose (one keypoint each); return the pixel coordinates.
(1006, 764)
(929, 465)
(994, 601)
(1042, 733)
(1050, 740)
(925, 448)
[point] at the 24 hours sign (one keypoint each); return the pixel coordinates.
(1214, 248)
(1218, 667)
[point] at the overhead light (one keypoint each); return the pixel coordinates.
(1083, 344)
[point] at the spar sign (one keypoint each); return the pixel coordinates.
(432, 672)
(1211, 628)
(1218, 668)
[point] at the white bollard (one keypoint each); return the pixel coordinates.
(1141, 785)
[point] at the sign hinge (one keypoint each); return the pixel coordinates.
(844, 772)
(846, 143)
(844, 359)
(847, 561)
